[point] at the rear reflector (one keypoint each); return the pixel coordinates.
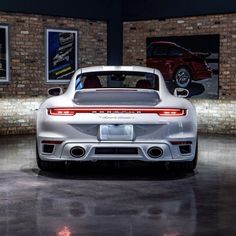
(121, 110)
(52, 142)
(181, 142)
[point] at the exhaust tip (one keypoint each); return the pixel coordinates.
(155, 152)
(77, 152)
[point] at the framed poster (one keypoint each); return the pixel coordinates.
(4, 55)
(190, 62)
(61, 55)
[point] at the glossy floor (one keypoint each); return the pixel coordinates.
(124, 201)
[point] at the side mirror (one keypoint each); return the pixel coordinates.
(181, 92)
(55, 91)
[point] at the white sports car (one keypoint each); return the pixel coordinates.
(117, 113)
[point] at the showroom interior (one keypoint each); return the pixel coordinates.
(116, 198)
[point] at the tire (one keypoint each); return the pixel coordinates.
(182, 77)
(48, 165)
(186, 165)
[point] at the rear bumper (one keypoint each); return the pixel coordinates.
(62, 133)
(118, 151)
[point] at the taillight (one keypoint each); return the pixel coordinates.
(168, 112)
(172, 112)
(61, 112)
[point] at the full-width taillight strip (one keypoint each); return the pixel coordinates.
(121, 110)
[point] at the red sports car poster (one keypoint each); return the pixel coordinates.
(190, 62)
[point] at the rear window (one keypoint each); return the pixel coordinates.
(158, 50)
(117, 80)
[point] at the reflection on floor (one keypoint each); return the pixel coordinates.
(110, 200)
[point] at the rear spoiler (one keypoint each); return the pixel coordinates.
(202, 54)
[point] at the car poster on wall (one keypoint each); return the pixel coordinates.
(189, 62)
(4, 54)
(61, 51)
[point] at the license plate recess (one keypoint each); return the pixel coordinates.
(116, 133)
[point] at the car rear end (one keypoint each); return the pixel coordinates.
(137, 124)
(144, 132)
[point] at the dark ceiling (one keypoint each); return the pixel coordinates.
(122, 9)
(88, 9)
(159, 9)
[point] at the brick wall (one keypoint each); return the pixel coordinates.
(214, 116)
(27, 49)
(18, 115)
(27, 87)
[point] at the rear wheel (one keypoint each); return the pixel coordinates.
(48, 165)
(182, 77)
(186, 165)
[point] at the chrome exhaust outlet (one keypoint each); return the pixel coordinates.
(155, 152)
(77, 152)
